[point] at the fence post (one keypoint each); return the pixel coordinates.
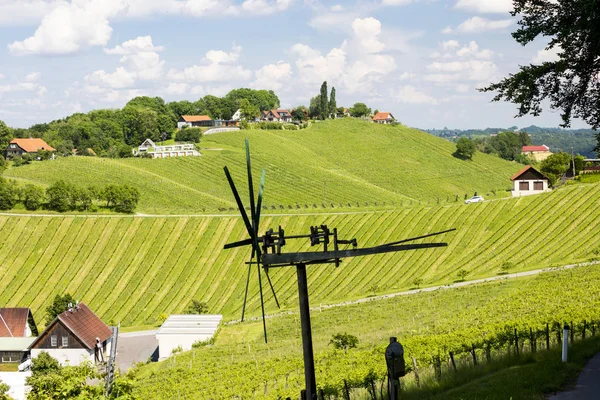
(474, 354)
(452, 360)
(547, 337)
(346, 390)
(583, 330)
(374, 389)
(565, 347)
(572, 330)
(532, 341)
(416, 369)
(438, 368)
(516, 342)
(488, 353)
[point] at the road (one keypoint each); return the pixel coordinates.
(588, 383)
(134, 347)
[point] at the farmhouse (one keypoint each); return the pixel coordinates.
(17, 332)
(18, 147)
(277, 116)
(383, 118)
(182, 331)
(538, 153)
(529, 181)
(74, 336)
(194, 121)
(173, 150)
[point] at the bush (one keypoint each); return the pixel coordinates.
(18, 161)
(343, 341)
(33, 197)
(122, 198)
(197, 307)
(60, 196)
(189, 135)
(43, 364)
(465, 149)
(8, 195)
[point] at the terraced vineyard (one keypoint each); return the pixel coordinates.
(347, 163)
(133, 269)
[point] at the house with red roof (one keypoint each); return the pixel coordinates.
(18, 147)
(538, 153)
(17, 331)
(75, 336)
(384, 118)
(529, 181)
(279, 115)
(194, 121)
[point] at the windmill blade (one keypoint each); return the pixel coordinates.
(238, 201)
(416, 238)
(251, 193)
(247, 284)
(240, 243)
(261, 189)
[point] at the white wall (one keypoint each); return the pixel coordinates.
(516, 192)
(16, 381)
(67, 356)
(168, 342)
(182, 124)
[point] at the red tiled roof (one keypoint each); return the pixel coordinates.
(525, 169)
(13, 322)
(530, 149)
(86, 325)
(381, 116)
(196, 118)
(32, 145)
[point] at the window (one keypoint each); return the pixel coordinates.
(538, 186)
(523, 185)
(65, 341)
(53, 341)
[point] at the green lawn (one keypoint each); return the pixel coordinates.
(346, 164)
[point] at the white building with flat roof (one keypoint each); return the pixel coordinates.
(185, 330)
(172, 150)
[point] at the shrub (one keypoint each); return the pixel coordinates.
(33, 197)
(189, 135)
(60, 196)
(343, 341)
(465, 149)
(197, 307)
(462, 274)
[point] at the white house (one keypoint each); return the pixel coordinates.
(383, 118)
(185, 330)
(75, 336)
(237, 116)
(529, 181)
(277, 116)
(172, 150)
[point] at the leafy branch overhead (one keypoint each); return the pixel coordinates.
(571, 83)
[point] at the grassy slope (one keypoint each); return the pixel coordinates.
(132, 269)
(360, 162)
(426, 323)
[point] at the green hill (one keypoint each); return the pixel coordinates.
(133, 269)
(348, 163)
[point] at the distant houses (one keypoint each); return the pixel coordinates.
(279, 115)
(75, 336)
(529, 181)
(174, 150)
(204, 121)
(19, 147)
(538, 153)
(17, 332)
(384, 118)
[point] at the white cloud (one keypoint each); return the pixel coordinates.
(544, 55)
(449, 45)
(137, 45)
(485, 6)
(337, 8)
(273, 76)
(458, 63)
(478, 25)
(366, 34)
(70, 27)
(23, 87)
(216, 66)
(119, 79)
(177, 88)
(1, 76)
(313, 67)
(396, 2)
(25, 12)
(33, 77)
(411, 95)
(266, 7)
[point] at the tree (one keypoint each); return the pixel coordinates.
(324, 107)
(64, 382)
(249, 111)
(525, 138)
(196, 307)
(140, 124)
(300, 113)
(2, 163)
(126, 199)
(59, 305)
(189, 135)
(555, 166)
(418, 281)
(506, 144)
(8, 196)
(465, 149)
(569, 83)
(33, 197)
(60, 195)
(360, 110)
(343, 341)
(4, 388)
(579, 163)
(376, 112)
(314, 109)
(462, 275)
(6, 135)
(44, 363)
(332, 103)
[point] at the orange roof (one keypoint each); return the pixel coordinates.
(531, 149)
(525, 169)
(381, 116)
(196, 118)
(13, 321)
(32, 145)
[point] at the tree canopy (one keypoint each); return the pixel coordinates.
(465, 149)
(571, 82)
(59, 305)
(360, 110)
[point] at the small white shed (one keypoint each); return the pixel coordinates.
(185, 330)
(529, 181)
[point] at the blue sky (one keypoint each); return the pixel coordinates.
(420, 59)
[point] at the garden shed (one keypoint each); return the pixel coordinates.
(182, 331)
(529, 181)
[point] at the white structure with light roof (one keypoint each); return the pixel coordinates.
(185, 330)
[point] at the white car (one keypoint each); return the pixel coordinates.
(474, 199)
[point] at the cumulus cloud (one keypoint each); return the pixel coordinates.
(215, 66)
(549, 55)
(478, 25)
(27, 84)
(396, 2)
(273, 76)
(134, 46)
(411, 95)
(485, 6)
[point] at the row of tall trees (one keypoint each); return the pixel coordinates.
(323, 107)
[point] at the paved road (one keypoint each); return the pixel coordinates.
(134, 347)
(588, 383)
